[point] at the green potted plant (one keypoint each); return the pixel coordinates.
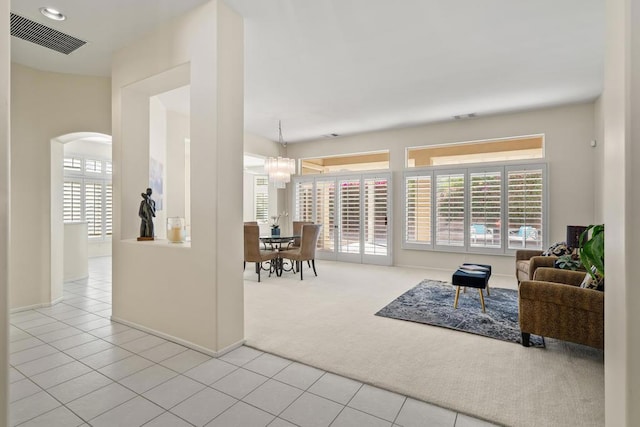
(592, 250)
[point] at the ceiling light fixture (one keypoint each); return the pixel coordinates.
(279, 168)
(52, 13)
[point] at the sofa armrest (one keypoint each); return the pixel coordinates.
(523, 254)
(540, 261)
(558, 275)
(562, 295)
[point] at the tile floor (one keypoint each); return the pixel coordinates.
(72, 366)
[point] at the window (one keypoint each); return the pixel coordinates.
(375, 215)
(92, 165)
(304, 198)
(72, 201)
(485, 191)
(355, 212)
(488, 151)
(450, 208)
(345, 163)
(492, 209)
(93, 208)
(261, 198)
(88, 194)
(73, 164)
(525, 208)
(418, 209)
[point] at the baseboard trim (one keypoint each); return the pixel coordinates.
(36, 306)
(180, 341)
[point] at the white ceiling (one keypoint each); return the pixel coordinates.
(350, 66)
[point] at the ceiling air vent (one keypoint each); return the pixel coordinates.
(33, 32)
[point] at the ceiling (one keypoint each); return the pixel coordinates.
(351, 66)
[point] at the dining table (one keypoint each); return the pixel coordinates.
(277, 243)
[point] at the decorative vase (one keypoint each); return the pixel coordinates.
(176, 230)
(275, 231)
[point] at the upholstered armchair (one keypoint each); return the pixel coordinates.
(252, 252)
(528, 260)
(554, 305)
(307, 249)
(297, 230)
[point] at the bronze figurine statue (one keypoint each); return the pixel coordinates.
(146, 213)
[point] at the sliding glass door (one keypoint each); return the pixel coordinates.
(355, 213)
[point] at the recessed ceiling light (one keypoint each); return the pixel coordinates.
(52, 13)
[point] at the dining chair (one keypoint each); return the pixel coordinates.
(252, 252)
(307, 250)
(297, 230)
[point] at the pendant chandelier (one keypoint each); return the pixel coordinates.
(279, 168)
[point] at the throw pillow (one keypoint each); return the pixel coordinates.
(588, 282)
(557, 249)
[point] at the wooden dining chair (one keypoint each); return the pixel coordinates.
(307, 249)
(252, 252)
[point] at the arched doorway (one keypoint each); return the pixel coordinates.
(80, 205)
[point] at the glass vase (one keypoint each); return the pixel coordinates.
(176, 230)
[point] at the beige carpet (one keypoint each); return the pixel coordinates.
(328, 322)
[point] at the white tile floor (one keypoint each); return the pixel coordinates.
(72, 366)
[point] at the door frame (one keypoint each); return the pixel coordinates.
(336, 255)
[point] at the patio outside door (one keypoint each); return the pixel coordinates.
(355, 213)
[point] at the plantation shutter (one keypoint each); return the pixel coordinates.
(375, 216)
(304, 201)
(525, 208)
(93, 208)
(92, 165)
(450, 207)
(108, 223)
(325, 213)
(72, 201)
(486, 209)
(72, 164)
(349, 228)
(418, 209)
(261, 202)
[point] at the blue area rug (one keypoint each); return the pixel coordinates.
(431, 303)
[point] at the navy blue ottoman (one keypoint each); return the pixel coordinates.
(472, 276)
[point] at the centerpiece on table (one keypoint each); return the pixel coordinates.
(275, 223)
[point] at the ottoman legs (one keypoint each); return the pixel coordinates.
(455, 301)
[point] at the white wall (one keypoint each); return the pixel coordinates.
(88, 148)
(190, 292)
(621, 201)
(598, 162)
(5, 210)
(568, 132)
(76, 251)
(56, 252)
(248, 209)
(177, 132)
(59, 104)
